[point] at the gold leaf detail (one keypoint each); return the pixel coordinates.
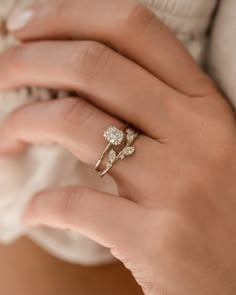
(129, 151)
(112, 156)
(130, 138)
(109, 165)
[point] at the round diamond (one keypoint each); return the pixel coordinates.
(114, 135)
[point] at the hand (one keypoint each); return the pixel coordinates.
(173, 224)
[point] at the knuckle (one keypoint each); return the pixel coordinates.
(89, 60)
(75, 112)
(137, 19)
(69, 206)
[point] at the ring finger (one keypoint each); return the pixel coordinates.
(75, 124)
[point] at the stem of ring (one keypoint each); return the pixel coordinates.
(102, 157)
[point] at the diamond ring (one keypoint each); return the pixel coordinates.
(117, 137)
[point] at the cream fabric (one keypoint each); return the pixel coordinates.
(222, 55)
(43, 167)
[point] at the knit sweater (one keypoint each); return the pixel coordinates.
(221, 56)
(47, 166)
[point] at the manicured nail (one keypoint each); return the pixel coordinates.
(19, 19)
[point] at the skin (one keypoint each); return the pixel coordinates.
(173, 224)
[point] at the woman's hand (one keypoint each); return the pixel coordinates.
(174, 223)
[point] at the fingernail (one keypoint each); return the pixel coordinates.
(19, 19)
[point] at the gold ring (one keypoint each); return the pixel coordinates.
(115, 138)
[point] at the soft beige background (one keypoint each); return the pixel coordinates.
(25, 269)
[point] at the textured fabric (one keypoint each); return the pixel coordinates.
(43, 167)
(222, 54)
(189, 19)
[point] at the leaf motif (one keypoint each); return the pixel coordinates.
(129, 138)
(109, 165)
(112, 156)
(129, 151)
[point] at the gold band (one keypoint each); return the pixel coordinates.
(115, 137)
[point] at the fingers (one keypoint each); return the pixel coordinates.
(109, 220)
(127, 26)
(76, 125)
(101, 75)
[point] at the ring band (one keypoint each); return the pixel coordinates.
(115, 137)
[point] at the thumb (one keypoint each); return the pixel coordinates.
(111, 221)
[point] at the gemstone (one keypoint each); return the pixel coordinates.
(114, 135)
(130, 131)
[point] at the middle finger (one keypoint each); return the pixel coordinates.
(107, 79)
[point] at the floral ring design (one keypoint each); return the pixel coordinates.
(117, 137)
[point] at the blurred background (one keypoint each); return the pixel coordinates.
(25, 269)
